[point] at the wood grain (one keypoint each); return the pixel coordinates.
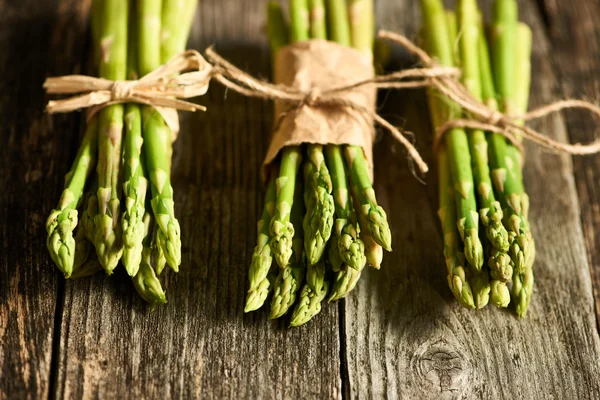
(201, 344)
(575, 39)
(406, 337)
(36, 39)
(400, 335)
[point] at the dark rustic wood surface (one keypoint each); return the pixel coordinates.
(400, 335)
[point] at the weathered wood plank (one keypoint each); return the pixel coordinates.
(36, 39)
(405, 336)
(200, 344)
(576, 42)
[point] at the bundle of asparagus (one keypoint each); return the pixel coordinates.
(480, 174)
(324, 225)
(130, 148)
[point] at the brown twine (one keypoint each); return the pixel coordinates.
(165, 86)
(485, 118)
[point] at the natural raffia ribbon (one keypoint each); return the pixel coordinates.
(167, 85)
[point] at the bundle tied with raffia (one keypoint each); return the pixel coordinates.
(317, 66)
(324, 93)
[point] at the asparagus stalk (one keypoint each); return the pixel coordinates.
(299, 20)
(157, 135)
(440, 44)
(113, 66)
(346, 246)
(361, 22)
(289, 279)
(312, 294)
(500, 263)
(489, 209)
(318, 23)
(145, 280)
(457, 281)
(260, 275)
(320, 207)
(89, 211)
(523, 280)
(135, 183)
(373, 214)
(83, 249)
(337, 19)
(350, 27)
(277, 29)
(261, 258)
(63, 219)
(362, 25)
(337, 15)
(85, 262)
(176, 23)
(350, 247)
(281, 229)
(509, 80)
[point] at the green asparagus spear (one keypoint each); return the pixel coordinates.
(457, 280)
(289, 279)
(134, 180)
(318, 23)
(261, 258)
(490, 210)
(362, 25)
(373, 251)
(499, 262)
(437, 37)
(312, 294)
(345, 281)
(338, 24)
(176, 23)
(509, 44)
(89, 210)
(277, 30)
(346, 232)
(145, 280)
(281, 229)
(113, 66)
(523, 280)
(157, 135)
(320, 207)
(62, 221)
(83, 248)
(499, 294)
(299, 20)
(374, 215)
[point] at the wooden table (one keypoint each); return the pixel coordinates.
(399, 335)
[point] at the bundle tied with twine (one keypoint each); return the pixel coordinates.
(188, 75)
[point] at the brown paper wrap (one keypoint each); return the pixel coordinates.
(323, 65)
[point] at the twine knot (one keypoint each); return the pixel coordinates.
(495, 118)
(121, 90)
(313, 97)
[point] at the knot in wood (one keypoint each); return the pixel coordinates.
(121, 90)
(442, 369)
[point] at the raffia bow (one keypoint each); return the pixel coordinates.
(185, 76)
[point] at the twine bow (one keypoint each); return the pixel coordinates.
(186, 75)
